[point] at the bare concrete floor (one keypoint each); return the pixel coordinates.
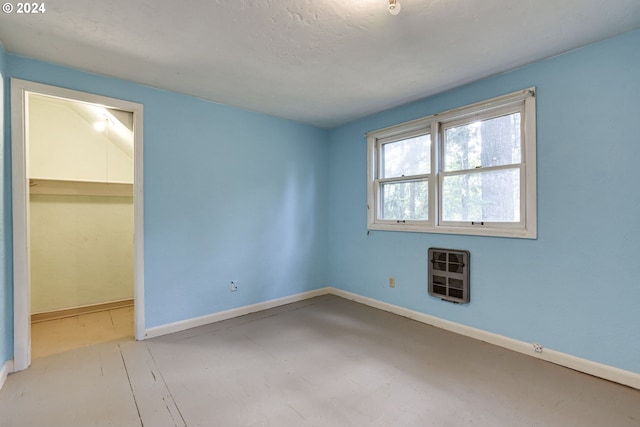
(322, 362)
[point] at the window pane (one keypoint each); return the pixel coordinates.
(407, 157)
(487, 196)
(484, 143)
(405, 200)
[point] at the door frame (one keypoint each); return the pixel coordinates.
(20, 90)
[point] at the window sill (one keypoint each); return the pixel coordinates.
(476, 231)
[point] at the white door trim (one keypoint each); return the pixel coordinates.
(21, 295)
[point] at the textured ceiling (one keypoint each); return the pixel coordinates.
(323, 62)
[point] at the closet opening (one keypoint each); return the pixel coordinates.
(77, 201)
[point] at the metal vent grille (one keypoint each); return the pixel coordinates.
(449, 274)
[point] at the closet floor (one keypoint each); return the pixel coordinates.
(55, 336)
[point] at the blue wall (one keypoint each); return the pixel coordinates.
(235, 195)
(576, 288)
(229, 195)
(6, 289)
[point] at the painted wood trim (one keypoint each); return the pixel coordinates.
(230, 314)
(20, 207)
(138, 221)
(610, 373)
(20, 210)
(7, 368)
(76, 311)
(79, 188)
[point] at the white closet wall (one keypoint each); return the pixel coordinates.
(81, 235)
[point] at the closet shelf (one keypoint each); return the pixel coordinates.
(79, 188)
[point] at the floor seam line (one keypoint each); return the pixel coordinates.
(166, 386)
(135, 401)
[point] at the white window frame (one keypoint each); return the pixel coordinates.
(416, 128)
(522, 101)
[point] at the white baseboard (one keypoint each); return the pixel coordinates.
(229, 314)
(628, 378)
(7, 368)
(84, 309)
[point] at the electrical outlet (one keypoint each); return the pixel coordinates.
(538, 348)
(234, 286)
(392, 282)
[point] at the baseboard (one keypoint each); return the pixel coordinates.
(229, 314)
(628, 378)
(7, 368)
(76, 311)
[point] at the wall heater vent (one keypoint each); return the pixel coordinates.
(449, 274)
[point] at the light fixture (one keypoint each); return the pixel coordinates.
(394, 7)
(100, 125)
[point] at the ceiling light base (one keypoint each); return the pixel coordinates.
(394, 7)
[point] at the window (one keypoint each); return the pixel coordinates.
(465, 171)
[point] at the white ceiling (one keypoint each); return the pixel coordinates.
(323, 62)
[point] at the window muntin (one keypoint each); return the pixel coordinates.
(405, 200)
(475, 176)
(406, 157)
(482, 168)
(403, 169)
(482, 197)
(481, 143)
